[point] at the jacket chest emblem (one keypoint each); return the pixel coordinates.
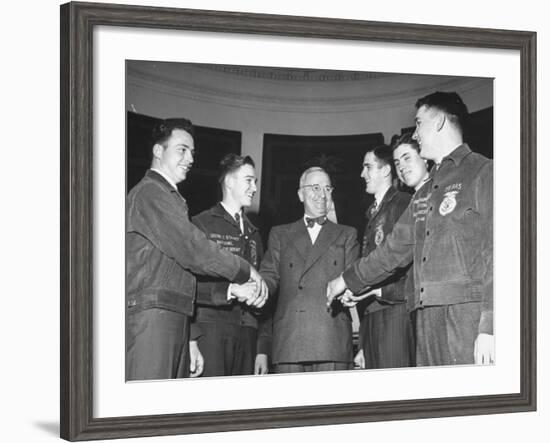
(448, 204)
(379, 235)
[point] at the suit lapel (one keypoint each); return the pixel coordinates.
(299, 238)
(329, 233)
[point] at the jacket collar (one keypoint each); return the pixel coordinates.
(300, 240)
(388, 196)
(219, 211)
(458, 154)
(158, 178)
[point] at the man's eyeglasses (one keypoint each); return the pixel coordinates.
(318, 188)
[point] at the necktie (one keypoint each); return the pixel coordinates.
(319, 220)
(374, 208)
(238, 220)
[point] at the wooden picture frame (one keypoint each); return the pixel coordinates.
(77, 378)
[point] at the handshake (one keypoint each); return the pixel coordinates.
(337, 289)
(254, 292)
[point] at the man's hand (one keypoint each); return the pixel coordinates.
(484, 349)
(196, 364)
(334, 289)
(261, 287)
(245, 291)
(359, 359)
(349, 300)
(261, 364)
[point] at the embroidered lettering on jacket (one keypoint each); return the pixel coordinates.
(448, 204)
(228, 242)
(421, 208)
(453, 187)
(224, 237)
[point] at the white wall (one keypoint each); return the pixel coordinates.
(30, 220)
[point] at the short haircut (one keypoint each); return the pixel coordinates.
(448, 102)
(309, 171)
(404, 139)
(230, 163)
(163, 129)
(384, 156)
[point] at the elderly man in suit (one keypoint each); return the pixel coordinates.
(302, 257)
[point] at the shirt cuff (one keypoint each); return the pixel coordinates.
(264, 346)
(353, 283)
(486, 323)
(195, 332)
(229, 295)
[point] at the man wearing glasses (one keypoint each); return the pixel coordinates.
(302, 257)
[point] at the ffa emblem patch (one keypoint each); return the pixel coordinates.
(448, 204)
(379, 235)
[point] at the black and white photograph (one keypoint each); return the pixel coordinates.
(276, 221)
(286, 220)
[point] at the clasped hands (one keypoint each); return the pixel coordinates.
(337, 289)
(254, 292)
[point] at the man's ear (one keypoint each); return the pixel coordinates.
(229, 180)
(386, 170)
(301, 194)
(157, 151)
(441, 119)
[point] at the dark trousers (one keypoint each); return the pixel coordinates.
(287, 368)
(387, 338)
(157, 345)
(227, 349)
(446, 334)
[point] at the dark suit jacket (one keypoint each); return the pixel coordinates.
(380, 225)
(303, 329)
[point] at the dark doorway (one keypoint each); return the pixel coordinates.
(479, 132)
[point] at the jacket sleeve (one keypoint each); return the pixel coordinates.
(484, 197)
(195, 331)
(352, 247)
(159, 217)
(395, 286)
(394, 253)
(265, 334)
(269, 268)
(212, 293)
(265, 321)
